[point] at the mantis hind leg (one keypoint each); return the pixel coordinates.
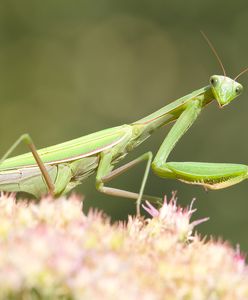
(28, 141)
(105, 174)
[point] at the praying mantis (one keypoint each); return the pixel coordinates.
(59, 168)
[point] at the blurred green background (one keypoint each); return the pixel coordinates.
(69, 68)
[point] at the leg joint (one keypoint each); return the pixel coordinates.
(99, 185)
(26, 138)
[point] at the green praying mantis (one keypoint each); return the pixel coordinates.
(59, 168)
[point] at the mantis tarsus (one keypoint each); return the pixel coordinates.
(58, 169)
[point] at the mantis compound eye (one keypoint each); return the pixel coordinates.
(238, 90)
(214, 81)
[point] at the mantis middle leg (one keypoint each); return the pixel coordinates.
(104, 175)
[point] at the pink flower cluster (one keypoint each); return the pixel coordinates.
(51, 250)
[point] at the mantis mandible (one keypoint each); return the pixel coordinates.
(59, 168)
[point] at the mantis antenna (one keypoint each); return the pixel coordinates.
(218, 58)
(214, 51)
(241, 73)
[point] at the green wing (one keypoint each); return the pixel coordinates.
(71, 150)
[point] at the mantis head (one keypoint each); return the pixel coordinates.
(225, 89)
